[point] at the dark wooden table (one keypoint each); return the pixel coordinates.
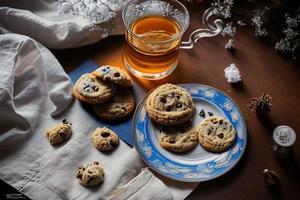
(262, 70)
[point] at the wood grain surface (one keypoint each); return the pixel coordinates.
(262, 70)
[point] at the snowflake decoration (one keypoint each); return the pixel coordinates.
(223, 7)
(229, 45)
(290, 42)
(232, 74)
(229, 30)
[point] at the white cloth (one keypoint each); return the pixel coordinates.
(43, 21)
(35, 93)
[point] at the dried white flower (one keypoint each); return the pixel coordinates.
(229, 30)
(229, 45)
(95, 12)
(232, 74)
(241, 23)
(223, 7)
(291, 41)
(257, 22)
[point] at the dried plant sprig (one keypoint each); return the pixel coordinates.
(262, 104)
(223, 7)
(229, 45)
(229, 30)
(258, 23)
(291, 40)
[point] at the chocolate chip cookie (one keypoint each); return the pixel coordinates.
(90, 175)
(216, 134)
(170, 105)
(59, 133)
(179, 139)
(113, 75)
(89, 89)
(119, 107)
(105, 139)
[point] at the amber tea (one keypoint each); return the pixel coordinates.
(154, 31)
(156, 49)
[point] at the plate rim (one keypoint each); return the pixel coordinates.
(191, 180)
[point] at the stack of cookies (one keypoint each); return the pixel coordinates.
(173, 108)
(109, 90)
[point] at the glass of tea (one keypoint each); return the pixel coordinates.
(154, 30)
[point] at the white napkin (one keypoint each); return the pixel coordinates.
(35, 93)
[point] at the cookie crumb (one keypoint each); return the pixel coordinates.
(210, 114)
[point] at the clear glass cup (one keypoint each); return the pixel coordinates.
(154, 31)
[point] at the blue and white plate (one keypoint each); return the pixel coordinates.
(197, 165)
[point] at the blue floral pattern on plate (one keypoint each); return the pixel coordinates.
(197, 169)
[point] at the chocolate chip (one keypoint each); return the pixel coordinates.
(172, 141)
(62, 134)
(96, 163)
(90, 179)
(210, 114)
(96, 88)
(202, 113)
(163, 129)
(112, 143)
(64, 121)
(178, 97)
(221, 135)
(220, 121)
(117, 74)
(85, 86)
(168, 108)
(209, 131)
(179, 105)
(163, 99)
(79, 175)
(105, 134)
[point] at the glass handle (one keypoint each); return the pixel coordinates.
(213, 29)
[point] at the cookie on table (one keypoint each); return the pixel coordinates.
(89, 89)
(90, 174)
(105, 139)
(170, 105)
(59, 133)
(119, 107)
(216, 134)
(114, 75)
(179, 139)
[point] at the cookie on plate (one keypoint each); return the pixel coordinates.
(114, 75)
(119, 107)
(59, 133)
(216, 134)
(90, 175)
(170, 105)
(89, 89)
(105, 139)
(179, 139)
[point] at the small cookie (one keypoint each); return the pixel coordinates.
(89, 89)
(59, 133)
(90, 174)
(105, 139)
(179, 139)
(119, 107)
(170, 105)
(216, 134)
(114, 75)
